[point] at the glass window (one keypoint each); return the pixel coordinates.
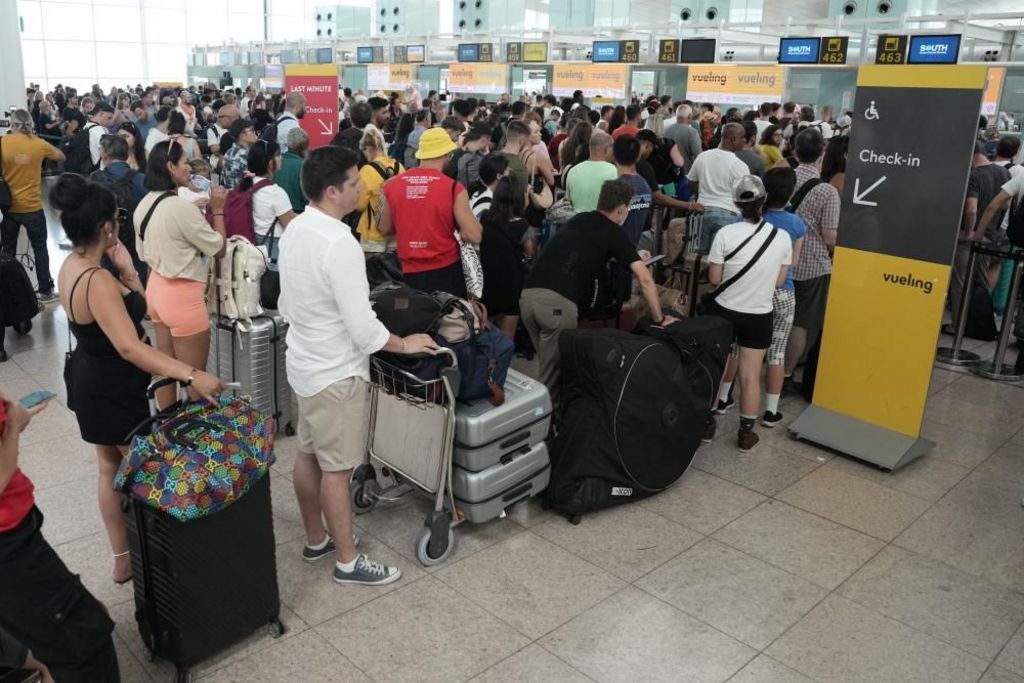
(165, 25)
(71, 60)
(33, 55)
(118, 60)
(245, 27)
(166, 62)
(31, 15)
(117, 24)
(66, 22)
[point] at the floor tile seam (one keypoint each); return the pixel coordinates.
(821, 517)
(320, 623)
(1003, 649)
(703, 537)
(127, 648)
(930, 505)
(342, 654)
(491, 614)
(830, 593)
(665, 517)
(738, 639)
(756, 651)
(962, 570)
(555, 655)
(772, 564)
(919, 630)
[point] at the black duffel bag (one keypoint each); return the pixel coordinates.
(18, 303)
(633, 412)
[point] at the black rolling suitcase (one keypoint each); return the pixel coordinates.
(634, 411)
(205, 584)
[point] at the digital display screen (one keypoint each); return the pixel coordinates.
(606, 51)
(469, 52)
(698, 51)
(416, 53)
(364, 55)
(290, 57)
(934, 49)
(799, 50)
(324, 55)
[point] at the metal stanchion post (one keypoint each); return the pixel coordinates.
(954, 355)
(996, 369)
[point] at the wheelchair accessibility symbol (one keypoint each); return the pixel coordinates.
(871, 114)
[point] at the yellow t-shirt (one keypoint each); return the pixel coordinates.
(772, 154)
(178, 238)
(23, 157)
(370, 196)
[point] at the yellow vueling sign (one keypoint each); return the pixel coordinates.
(901, 205)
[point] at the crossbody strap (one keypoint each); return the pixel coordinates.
(744, 243)
(149, 214)
(750, 264)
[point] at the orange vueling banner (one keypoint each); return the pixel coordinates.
(732, 84)
(595, 80)
(483, 78)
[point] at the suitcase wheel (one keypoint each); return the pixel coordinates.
(275, 628)
(363, 499)
(183, 676)
(575, 519)
(289, 430)
(430, 554)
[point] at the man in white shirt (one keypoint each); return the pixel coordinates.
(158, 133)
(762, 121)
(332, 333)
(99, 118)
(294, 109)
(714, 176)
(250, 95)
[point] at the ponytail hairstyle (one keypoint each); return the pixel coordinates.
(84, 208)
(372, 137)
(751, 211)
(21, 122)
(261, 156)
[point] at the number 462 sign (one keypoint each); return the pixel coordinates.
(833, 50)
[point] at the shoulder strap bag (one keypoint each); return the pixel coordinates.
(149, 214)
(708, 300)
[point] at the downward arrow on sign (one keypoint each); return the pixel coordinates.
(858, 196)
(328, 127)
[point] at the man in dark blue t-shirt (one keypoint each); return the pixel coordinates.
(627, 152)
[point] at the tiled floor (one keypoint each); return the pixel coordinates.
(785, 564)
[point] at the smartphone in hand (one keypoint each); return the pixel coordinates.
(35, 398)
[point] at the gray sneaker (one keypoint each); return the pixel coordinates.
(47, 298)
(368, 573)
(312, 554)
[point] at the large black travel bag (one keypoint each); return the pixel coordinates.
(203, 585)
(634, 410)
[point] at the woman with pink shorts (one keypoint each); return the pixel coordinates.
(175, 240)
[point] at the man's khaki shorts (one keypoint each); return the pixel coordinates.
(334, 423)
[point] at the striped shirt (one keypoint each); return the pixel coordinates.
(820, 211)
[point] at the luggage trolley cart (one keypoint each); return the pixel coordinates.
(412, 436)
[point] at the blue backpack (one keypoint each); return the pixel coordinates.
(483, 352)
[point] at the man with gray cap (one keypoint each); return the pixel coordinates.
(748, 260)
(713, 177)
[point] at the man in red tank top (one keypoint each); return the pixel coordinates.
(424, 208)
(48, 620)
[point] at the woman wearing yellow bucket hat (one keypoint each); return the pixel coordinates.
(423, 208)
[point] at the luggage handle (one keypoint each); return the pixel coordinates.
(522, 436)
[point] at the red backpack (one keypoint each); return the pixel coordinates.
(238, 210)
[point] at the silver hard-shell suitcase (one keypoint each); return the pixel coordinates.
(482, 496)
(255, 358)
(484, 433)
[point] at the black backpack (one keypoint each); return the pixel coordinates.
(124, 192)
(78, 157)
(269, 132)
(18, 302)
(608, 291)
(452, 168)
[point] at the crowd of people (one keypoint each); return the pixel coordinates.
(544, 191)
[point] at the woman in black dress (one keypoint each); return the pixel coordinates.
(107, 373)
(505, 252)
